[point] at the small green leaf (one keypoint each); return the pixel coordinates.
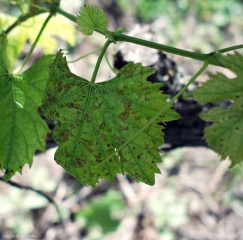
(225, 135)
(91, 18)
(22, 130)
(94, 120)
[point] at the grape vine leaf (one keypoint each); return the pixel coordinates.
(225, 135)
(22, 130)
(91, 18)
(95, 119)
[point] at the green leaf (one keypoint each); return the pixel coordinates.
(220, 87)
(22, 130)
(95, 120)
(91, 18)
(225, 135)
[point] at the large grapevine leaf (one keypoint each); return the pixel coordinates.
(225, 135)
(22, 130)
(94, 120)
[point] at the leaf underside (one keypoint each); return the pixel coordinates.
(225, 135)
(95, 120)
(22, 130)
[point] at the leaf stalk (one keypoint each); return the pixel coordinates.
(71, 17)
(97, 65)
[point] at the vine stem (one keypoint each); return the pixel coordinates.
(36, 40)
(121, 37)
(118, 36)
(97, 65)
(236, 47)
(66, 14)
(200, 71)
(153, 119)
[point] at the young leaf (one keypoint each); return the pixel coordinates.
(22, 130)
(94, 120)
(225, 135)
(91, 18)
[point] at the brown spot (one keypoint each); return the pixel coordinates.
(102, 126)
(64, 135)
(77, 162)
(126, 113)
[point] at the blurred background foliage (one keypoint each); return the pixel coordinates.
(219, 12)
(212, 18)
(103, 213)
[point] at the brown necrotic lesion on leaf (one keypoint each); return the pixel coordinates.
(127, 106)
